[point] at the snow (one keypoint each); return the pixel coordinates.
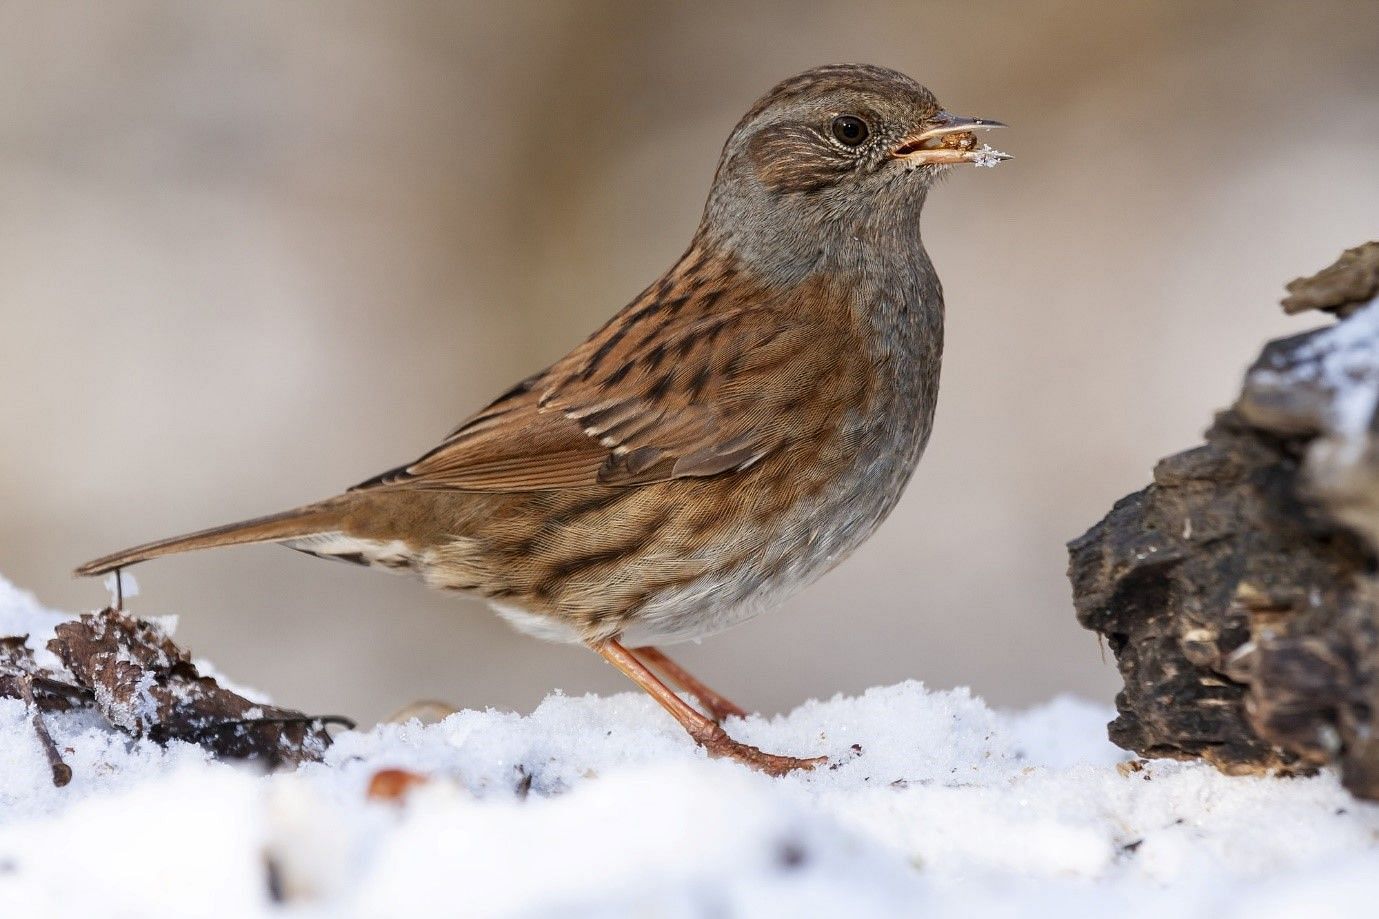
(934, 805)
(121, 585)
(989, 157)
(1341, 363)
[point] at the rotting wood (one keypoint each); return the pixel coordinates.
(1238, 591)
(140, 682)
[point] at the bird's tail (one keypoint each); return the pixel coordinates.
(302, 521)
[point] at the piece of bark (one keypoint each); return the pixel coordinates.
(144, 684)
(394, 784)
(1342, 287)
(1238, 591)
(51, 692)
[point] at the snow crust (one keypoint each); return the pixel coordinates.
(935, 805)
(1341, 364)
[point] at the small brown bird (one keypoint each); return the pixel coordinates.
(732, 434)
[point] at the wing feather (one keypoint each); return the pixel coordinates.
(666, 390)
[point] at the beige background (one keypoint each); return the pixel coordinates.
(253, 253)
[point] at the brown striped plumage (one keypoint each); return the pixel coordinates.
(726, 438)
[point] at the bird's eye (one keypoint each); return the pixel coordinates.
(850, 130)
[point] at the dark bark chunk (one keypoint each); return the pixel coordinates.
(1238, 591)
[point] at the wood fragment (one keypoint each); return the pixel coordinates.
(61, 772)
(426, 711)
(131, 673)
(393, 784)
(1238, 590)
(1342, 287)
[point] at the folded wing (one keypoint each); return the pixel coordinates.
(650, 397)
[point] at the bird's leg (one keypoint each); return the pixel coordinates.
(705, 731)
(718, 706)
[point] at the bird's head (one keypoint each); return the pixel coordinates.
(834, 151)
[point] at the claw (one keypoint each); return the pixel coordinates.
(719, 744)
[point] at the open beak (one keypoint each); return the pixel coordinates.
(948, 139)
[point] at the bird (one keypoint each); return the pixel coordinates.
(725, 439)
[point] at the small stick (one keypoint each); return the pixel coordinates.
(62, 773)
(119, 589)
(75, 694)
(322, 720)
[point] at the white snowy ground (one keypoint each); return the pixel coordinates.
(943, 808)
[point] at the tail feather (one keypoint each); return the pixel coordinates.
(294, 524)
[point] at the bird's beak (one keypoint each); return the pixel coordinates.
(947, 139)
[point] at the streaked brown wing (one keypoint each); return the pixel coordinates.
(511, 445)
(666, 390)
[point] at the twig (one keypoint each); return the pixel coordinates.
(322, 720)
(77, 694)
(62, 773)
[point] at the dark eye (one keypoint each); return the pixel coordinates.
(850, 130)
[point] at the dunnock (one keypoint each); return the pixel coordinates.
(733, 433)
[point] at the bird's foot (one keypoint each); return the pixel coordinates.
(708, 734)
(717, 742)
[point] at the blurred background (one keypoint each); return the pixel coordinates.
(253, 253)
